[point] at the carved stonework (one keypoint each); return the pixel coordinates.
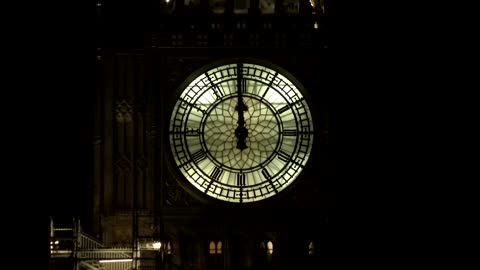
(123, 164)
(124, 110)
(176, 195)
(179, 68)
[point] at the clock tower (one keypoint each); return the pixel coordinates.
(211, 134)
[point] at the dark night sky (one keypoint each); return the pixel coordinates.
(57, 126)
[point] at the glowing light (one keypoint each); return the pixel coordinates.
(310, 248)
(115, 260)
(157, 245)
(270, 247)
(315, 25)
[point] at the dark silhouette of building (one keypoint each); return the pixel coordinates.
(134, 199)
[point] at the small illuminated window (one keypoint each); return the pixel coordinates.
(311, 248)
(267, 6)
(176, 40)
(315, 25)
(169, 248)
(212, 249)
(215, 248)
(54, 245)
(269, 247)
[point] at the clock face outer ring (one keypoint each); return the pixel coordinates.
(291, 150)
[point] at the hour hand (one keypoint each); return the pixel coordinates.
(241, 133)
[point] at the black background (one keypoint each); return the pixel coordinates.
(52, 127)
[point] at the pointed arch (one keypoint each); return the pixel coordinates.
(212, 247)
(311, 248)
(270, 247)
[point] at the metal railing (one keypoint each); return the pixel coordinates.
(87, 251)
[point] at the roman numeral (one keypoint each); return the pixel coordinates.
(215, 175)
(268, 177)
(266, 174)
(283, 109)
(243, 86)
(270, 84)
(199, 109)
(283, 156)
(192, 132)
(199, 156)
(289, 132)
(241, 179)
(216, 90)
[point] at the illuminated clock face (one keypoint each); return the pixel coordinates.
(241, 132)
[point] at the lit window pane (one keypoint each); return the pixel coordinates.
(270, 247)
(212, 248)
(310, 248)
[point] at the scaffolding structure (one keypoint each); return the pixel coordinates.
(70, 245)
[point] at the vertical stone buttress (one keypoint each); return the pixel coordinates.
(122, 152)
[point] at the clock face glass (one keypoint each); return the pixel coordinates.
(241, 132)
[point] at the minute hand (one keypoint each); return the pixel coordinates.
(241, 131)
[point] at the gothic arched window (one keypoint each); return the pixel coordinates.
(269, 247)
(311, 248)
(215, 247)
(241, 6)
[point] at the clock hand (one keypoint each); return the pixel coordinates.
(241, 131)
